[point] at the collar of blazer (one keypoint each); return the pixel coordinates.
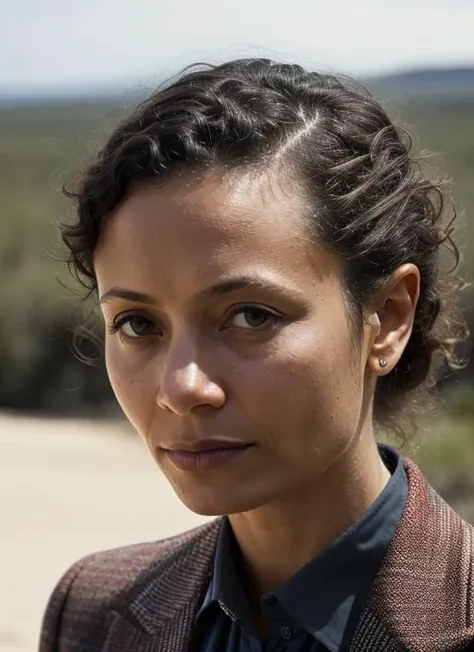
(161, 610)
(422, 599)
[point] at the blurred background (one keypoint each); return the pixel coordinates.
(73, 478)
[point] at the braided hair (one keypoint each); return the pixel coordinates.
(373, 205)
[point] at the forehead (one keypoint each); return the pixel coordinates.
(189, 229)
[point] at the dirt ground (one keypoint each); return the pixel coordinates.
(69, 488)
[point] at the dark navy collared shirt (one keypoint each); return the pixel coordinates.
(317, 609)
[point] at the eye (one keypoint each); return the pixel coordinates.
(252, 317)
(134, 327)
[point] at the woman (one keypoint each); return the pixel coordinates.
(266, 255)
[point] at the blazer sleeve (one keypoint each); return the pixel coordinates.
(51, 630)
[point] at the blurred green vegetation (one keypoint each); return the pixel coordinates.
(443, 447)
(42, 146)
(40, 149)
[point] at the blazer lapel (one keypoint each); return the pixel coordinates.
(160, 616)
(373, 636)
(125, 636)
(422, 598)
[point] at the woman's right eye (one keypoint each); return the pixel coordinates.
(134, 327)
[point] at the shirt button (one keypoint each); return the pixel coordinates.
(269, 599)
(286, 633)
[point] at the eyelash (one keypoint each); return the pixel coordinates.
(272, 319)
(271, 315)
(120, 321)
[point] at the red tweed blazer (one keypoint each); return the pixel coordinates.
(144, 598)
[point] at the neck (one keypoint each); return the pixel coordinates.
(278, 539)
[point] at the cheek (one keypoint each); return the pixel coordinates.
(133, 387)
(306, 386)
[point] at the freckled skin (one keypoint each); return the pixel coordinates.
(277, 389)
(298, 388)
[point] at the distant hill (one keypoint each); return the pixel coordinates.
(437, 83)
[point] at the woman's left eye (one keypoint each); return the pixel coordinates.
(252, 317)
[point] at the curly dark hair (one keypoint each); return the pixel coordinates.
(373, 204)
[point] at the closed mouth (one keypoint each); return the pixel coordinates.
(205, 446)
(207, 457)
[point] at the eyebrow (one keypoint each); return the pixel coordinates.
(129, 295)
(241, 283)
(217, 290)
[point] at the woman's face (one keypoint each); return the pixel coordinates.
(229, 345)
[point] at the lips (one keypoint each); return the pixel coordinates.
(205, 454)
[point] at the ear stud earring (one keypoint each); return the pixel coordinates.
(382, 362)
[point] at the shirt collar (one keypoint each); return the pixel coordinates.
(226, 588)
(331, 590)
(325, 597)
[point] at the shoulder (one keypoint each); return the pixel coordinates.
(424, 591)
(95, 584)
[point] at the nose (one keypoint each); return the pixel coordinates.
(184, 384)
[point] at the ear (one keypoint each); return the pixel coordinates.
(395, 313)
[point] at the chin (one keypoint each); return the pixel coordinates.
(215, 502)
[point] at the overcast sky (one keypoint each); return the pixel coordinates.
(62, 45)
